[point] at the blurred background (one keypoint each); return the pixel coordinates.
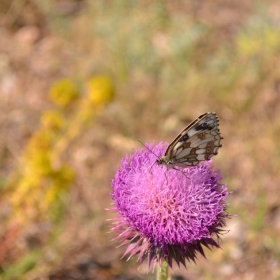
(81, 81)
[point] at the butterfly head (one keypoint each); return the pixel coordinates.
(163, 161)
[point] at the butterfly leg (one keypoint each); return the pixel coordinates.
(151, 167)
(181, 172)
(166, 175)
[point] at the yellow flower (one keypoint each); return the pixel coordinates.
(51, 197)
(62, 180)
(41, 141)
(272, 39)
(65, 176)
(258, 42)
(40, 164)
(63, 93)
(100, 90)
(52, 120)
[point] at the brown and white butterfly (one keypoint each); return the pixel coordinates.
(198, 142)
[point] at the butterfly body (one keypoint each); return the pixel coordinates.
(199, 141)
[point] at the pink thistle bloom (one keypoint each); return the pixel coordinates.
(167, 214)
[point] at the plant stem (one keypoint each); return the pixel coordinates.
(163, 272)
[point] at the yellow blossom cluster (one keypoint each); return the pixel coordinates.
(43, 177)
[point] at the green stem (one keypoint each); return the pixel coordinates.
(163, 272)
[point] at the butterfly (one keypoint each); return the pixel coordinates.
(199, 141)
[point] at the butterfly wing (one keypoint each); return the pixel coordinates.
(199, 141)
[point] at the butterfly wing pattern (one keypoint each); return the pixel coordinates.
(199, 141)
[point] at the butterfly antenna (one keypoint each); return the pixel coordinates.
(151, 152)
(148, 149)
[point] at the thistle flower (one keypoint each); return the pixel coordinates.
(167, 215)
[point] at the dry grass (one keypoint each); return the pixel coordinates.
(169, 63)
